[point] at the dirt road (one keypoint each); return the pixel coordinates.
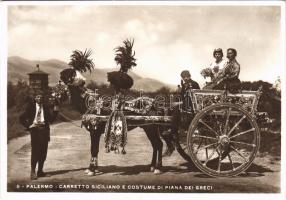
(68, 157)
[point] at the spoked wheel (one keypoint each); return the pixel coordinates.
(181, 144)
(181, 137)
(223, 140)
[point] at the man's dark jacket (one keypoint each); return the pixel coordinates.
(190, 84)
(27, 118)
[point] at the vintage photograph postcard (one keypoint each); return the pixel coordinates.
(143, 97)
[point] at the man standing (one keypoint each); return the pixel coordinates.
(36, 118)
(187, 83)
(179, 117)
(187, 105)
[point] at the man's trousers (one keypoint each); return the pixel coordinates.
(39, 144)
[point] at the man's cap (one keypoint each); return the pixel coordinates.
(185, 73)
(234, 51)
(38, 92)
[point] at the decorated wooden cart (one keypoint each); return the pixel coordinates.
(218, 132)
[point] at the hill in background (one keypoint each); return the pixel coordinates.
(18, 68)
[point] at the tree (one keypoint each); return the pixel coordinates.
(11, 95)
(163, 90)
(267, 101)
(80, 60)
(124, 56)
(277, 86)
(23, 93)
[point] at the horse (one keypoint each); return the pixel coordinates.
(153, 132)
(117, 124)
(79, 95)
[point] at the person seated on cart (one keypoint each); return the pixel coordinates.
(228, 76)
(218, 64)
(215, 68)
(177, 115)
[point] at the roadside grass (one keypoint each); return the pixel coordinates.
(14, 128)
(270, 143)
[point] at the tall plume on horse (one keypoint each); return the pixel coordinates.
(124, 56)
(116, 127)
(80, 62)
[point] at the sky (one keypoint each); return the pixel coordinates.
(168, 39)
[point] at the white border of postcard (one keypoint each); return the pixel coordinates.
(75, 195)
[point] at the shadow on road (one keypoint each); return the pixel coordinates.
(253, 171)
(137, 169)
(130, 170)
(258, 168)
(52, 173)
(124, 170)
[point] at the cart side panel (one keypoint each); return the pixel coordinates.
(204, 98)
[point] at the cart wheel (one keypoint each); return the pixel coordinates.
(181, 144)
(223, 140)
(181, 137)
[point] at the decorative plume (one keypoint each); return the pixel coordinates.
(124, 56)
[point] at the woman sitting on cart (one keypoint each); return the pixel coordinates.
(227, 78)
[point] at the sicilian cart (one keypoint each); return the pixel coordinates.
(220, 135)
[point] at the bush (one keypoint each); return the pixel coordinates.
(268, 101)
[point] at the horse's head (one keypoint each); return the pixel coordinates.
(68, 75)
(74, 80)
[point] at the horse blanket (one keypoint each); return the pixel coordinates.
(115, 135)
